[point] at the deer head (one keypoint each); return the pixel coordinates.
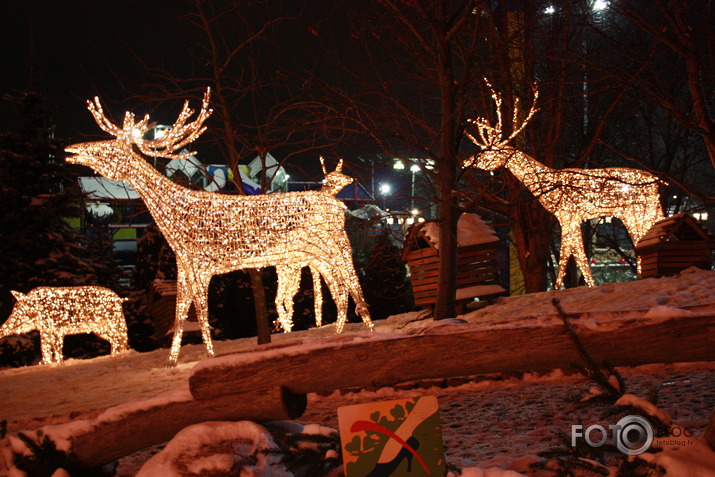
(495, 148)
(334, 181)
(112, 158)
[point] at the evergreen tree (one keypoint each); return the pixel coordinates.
(100, 253)
(385, 283)
(37, 197)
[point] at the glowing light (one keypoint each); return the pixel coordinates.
(599, 5)
(572, 195)
(289, 275)
(550, 10)
(216, 233)
(60, 311)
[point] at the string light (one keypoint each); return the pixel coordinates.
(572, 195)
(213, 233)
(289, 276)
(60, 311)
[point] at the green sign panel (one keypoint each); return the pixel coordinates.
(395, 438)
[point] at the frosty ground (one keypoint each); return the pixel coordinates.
(493, 421)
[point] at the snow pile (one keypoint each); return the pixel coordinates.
(217, 448)
(471, 230)
(690, 293)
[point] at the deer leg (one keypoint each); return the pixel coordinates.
(57, 343)
(183, 303)
(340, 296)
(317, 296)
(200, 289)
(352, 283)
(572, 244)
(46, 347)
(288, 286)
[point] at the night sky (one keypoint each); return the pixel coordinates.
(80, 48)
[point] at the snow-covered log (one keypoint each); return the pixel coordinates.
(126, 428)
(449, 351)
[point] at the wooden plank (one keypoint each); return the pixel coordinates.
(421, 255)
(481, 256)
(490, 269)
(420, 282)
(680, 259)
(685, 244)
(483, 280)
(425, 268)
(685, 253)
(383, 361)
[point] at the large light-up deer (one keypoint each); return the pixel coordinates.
(214, 233)
(572, 195)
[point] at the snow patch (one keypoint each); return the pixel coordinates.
(644, 405)
(696, 459)
(217, 448)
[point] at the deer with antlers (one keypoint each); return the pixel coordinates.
(289, 275)
(213, 233)
(572, 195)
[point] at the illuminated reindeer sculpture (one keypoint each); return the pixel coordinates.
(214, 233)
(289, 275)
(572, 195)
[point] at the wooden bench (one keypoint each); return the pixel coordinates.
(477, 270)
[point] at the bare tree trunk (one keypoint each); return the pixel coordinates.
(263, 331)
(448, 214)
(532, 226)
(447, 283)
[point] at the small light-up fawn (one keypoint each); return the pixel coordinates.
(214, 233)
(572, 195)
(289, 276)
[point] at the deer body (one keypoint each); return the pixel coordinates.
(214, 233)
(576, 195)
(572, 195)
(57, 312)
(289, 275)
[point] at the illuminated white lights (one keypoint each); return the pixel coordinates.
(289, 274)
(60, 311)
(599, 5)
(213, 233)
(572, 195)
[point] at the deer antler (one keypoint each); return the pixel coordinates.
(180, 134)
(338, 168)
(490, 137)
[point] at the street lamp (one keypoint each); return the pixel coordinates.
(399, 165)
(414, 169)
(385, 190)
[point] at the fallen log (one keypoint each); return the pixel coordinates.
(132, 426)
(450, 351)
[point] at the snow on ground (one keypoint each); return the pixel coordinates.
(496, 421)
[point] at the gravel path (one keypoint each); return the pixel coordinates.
(506, 421)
